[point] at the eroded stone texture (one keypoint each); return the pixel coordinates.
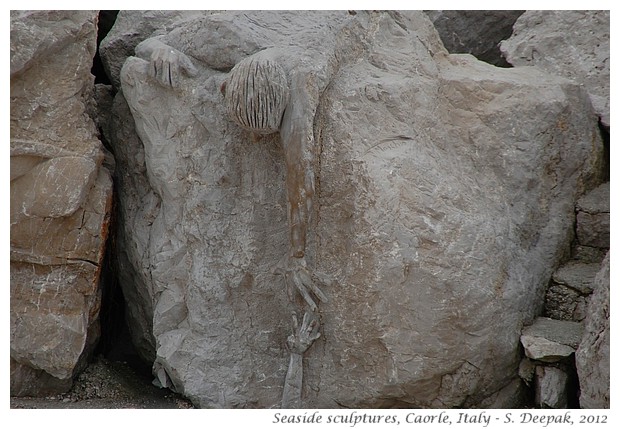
(551, 387)
(569, 291)
(559, 331)
(564, 303)
(577, 276)
(569, 43)
(420, 217)
(587, 254)
(592, 356)
(593, 219)
(544, 350)
(476, 32)
(60, 200)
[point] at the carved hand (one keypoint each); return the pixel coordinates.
(165, 62)
(298, 277)
(303, 337)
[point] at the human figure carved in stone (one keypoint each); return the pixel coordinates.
(273, 90)
(300, 341)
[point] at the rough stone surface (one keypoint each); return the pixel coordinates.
(587, 254)
(559, 331)
(577, 276)
(130, 28)
(592, 357)
(420, 217)
(60, 200)
(544, 350)
(476, 32)
(551, 387)
(569, 43)
(527, 369)
(550, 340)
(593, 221)
(100, 105)
(564, 303)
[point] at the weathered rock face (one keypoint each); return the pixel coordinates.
(550, 340)
(476, 32)
(445, 200)
(569, 291)
(592, 357)
(593, 218)
(573, 44)
(60, 200)
(551, 387)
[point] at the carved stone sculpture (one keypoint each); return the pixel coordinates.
(273, 90)
(395, 185)
(257, 94)
(269, 91)
(258, 100)
(298, 343)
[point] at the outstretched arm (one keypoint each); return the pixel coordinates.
(261, 98)
(297, 137)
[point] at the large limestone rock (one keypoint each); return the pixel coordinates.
(592, 357)
(476, 32)
(569, 43)
(60, 200)
(445, 201)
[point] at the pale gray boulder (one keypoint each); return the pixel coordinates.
(569, 43)
(444, 201)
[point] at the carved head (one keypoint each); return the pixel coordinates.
(256, 94)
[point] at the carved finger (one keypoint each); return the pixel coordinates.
(304, 291)
(315, 330)
(152, 69)
(187, 66)
(295, 323)
(308, 282)
(311, 328)
(173, 75)
(289, 286)
(160, 71)
(168, 73)
(323, 279)
(314, 336)
(307, 321)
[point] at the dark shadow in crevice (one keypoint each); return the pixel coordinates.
(606, 154)
(106, 19)
(115, 342)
